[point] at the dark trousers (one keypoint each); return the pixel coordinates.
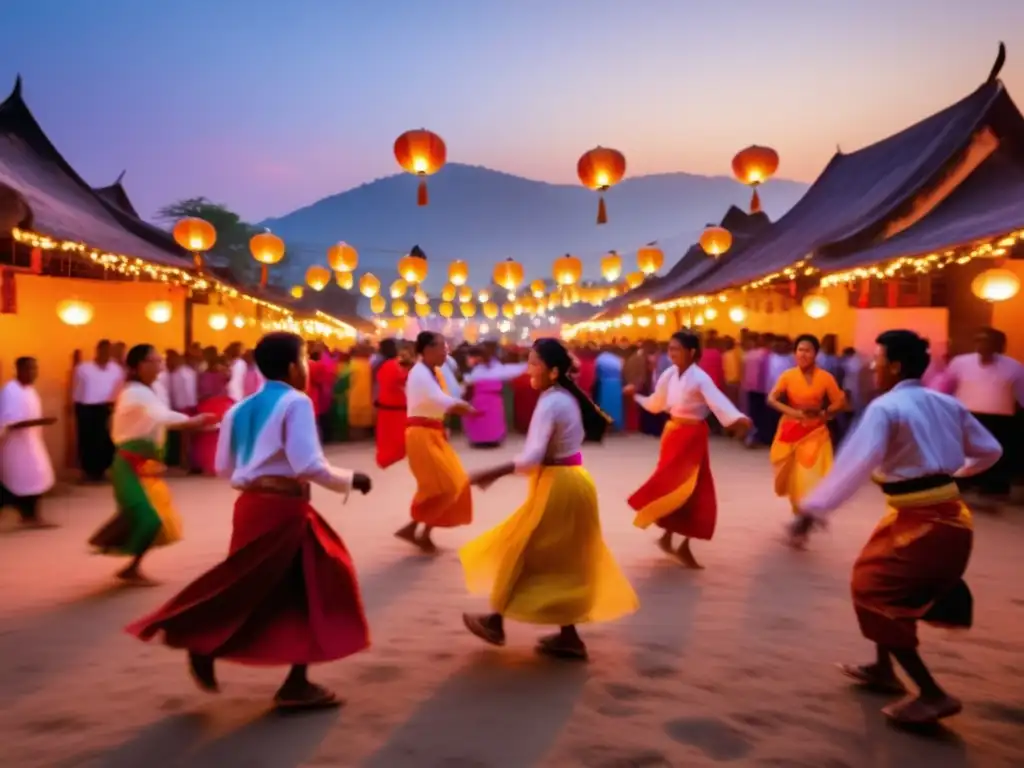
(325, 423)
(998, 479)
(765, 418)
(27, 506)
(95, 449)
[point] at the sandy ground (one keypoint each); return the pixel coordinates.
(729, 666)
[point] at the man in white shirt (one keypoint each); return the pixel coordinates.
(991, 386)
(26, 472)
(182, 386)
(96, 385)
(237, 369)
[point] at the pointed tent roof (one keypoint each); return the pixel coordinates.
(63, 205)
(116, 195)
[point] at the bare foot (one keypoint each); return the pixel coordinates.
(133, 577)
(560, 647)
(665, 545)
(427, 545)
(873, 678)
(201, 669)
(920, 711)
(305, 696)
(686, 556)
(407, 533)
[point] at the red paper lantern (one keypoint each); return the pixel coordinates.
(422, 153)
(600, 169)
(753, 166)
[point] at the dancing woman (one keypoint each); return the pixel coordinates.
(680, 496)
(391, 406)
(145, 516)
(914, 441)
(287, 592)
(443, 498)
(807, 397)
(548, 563)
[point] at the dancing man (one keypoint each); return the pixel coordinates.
(915, 441)
(145, 516)
(807, 396)
(443, 498)
(548, 563)
(680, 496)
(287, 592)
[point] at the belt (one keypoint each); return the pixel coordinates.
(279, 486)
(575, 460)
(421, 421)
(684, 420)
(916, 485)
(382, 407)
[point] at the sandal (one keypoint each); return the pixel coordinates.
(913, 711)
(476, 625)
(866, 678)
(558, 648)
(318, 698)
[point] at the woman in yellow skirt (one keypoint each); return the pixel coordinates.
(548, 563)
(807, 397)
(360, 392)
(443, 498)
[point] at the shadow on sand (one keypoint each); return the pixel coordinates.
(884, 744)
(500, 709)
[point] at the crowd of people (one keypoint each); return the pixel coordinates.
(287, 593)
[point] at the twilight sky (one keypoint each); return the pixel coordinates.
(268, 105)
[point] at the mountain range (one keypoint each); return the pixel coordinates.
(482, 216)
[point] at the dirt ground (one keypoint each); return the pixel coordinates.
(729, 666)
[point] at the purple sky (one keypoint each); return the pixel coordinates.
(268, 105)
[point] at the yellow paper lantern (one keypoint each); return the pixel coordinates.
(218, 321)
(467, 308)
(399, 308)
(422, 310)
(816, 306)
(345, 280)
(342, 257)
(297, 291)
(445, 309)
(458, 273)
(74, 312)
(715, 240)
(538, 288)
(634, 280)
(508, 309)
(420, 296)
(994, 285)
(159, 312)
(649, 259)
(567, 270)
(508, 274)
(484, 296)
(413, 267)
(378, 304)
(465, 294)
(369, 285)
(318, 277)
(490, 310)
(738, 314)
(398, 288)
(611, 267)
(448, 292)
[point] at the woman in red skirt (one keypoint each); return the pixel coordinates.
(287, 592)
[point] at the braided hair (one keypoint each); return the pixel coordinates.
(557, 357)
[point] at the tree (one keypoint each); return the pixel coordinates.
(233, 234)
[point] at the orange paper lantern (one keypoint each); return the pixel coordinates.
(567, 270)
(422, 310)
(413, 266)
(422, 153)
(378, 304)
(465, 294)
(342, 257)
(600, 169)
(467, 308)
(318, 277)
(399, 308)
(445, 309)
(611, 267)
(753, 166)
(195, 235)
(490, 310)
(458, 273)
(508, 309)
(268, 249)
(508, 274)
(345, 280)
(634, 280)
(715, 240)
(538, 288)
(448, 292)
(650, 259)
(369, 285)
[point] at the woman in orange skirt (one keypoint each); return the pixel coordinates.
(680, 496)
(442, 497)
(807, 397)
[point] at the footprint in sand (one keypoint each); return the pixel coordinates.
(715, 738)
(381, 673)
(623, 691)
(1003, 713)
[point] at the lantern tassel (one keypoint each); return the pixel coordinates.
(263, 275)
(602, 212)
(755, 202)
(422, 198)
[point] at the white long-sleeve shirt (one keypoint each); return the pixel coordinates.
(689, 395)
(994, 388)
(140, 414)
(236, 382)
(556, 430)
(424, 397)
(273, 434)
(907, 433)
(25, 467)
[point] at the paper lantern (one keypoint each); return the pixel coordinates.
(567, 270)
(508, 274)
(738, 315)
(634, 280)
(816, 306)
(715, 240)
(218, 321)
(420, 296)
(458, 273)
(600, 169)
(445, 309)
(644, 316)
(297, 291)
(508, 309)
(490, 310)
(399, 308)
(74, 312)
(195, 235)
(422, 310)
(467, 308)
(345, 280)
(238, 321)
(483, 296)
(538, 288)
(650, 258)
(378, 304)
(753, 166)
(398, 288)
(413, 266)
(422, 153)
(159, 312)
(611, 267)
(448, 292)
(994, 285)
(342, 257)
(465, 294)
(710, 313)
(318, 277)
(369, 285)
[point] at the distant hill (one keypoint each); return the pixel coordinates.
(482, 216)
